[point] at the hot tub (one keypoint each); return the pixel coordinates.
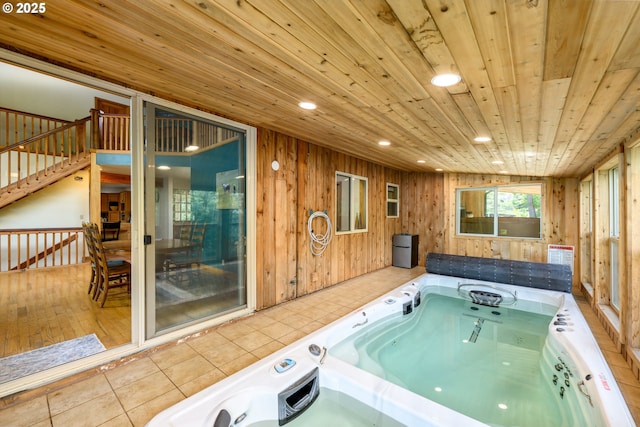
(541, 337)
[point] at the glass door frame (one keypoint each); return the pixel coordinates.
(142, 322)
(138, 340)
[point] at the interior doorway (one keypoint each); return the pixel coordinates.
(111, 107)
(44, 268)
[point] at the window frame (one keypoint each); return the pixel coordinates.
(496, 211)
(184, 196)
(613, 175)
(393, 202)
(354, 198)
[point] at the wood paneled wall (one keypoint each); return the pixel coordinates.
(304, 183)
(631, 318)
(276, 229)
(630, 287)
(422, 197)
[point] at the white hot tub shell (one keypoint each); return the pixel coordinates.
(250, 396)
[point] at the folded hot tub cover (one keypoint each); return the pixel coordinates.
(554, 277)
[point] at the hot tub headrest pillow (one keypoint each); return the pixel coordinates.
(555, 277)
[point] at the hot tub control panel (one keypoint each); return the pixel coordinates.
(284, 365)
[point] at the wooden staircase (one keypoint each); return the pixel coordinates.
(41, 179)
(37, 151)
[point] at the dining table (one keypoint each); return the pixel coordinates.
(117, 244)
(168, 248)
(118, 250)
(171, 246)
(164, 248)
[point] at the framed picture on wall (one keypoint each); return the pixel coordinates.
(228, 189)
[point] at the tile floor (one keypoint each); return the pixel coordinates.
(140, 386)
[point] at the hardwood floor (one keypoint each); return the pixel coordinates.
(47, 306)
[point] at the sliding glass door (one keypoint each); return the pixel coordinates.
(195, 219)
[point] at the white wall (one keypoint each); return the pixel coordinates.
(63, 204)
(23, 164)
(26, 90)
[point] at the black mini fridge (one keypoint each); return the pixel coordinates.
(405, 250)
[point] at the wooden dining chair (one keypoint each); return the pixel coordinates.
(183, 265)
(111, 273)
(88, 239)
(184, 231)
(110, 230)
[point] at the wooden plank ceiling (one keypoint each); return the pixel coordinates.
(554, 83)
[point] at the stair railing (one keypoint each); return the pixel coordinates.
(112, 131)
(22, 249)
(180, 135)
(43, 154)
(17, 125)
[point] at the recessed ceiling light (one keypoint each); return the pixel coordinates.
(422, 161)
(307, 105)
(482, 139)
(444, 80)
(438, 169)
(385, 143)
(497, 162)
(191, 148)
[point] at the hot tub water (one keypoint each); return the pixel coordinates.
(482, 361)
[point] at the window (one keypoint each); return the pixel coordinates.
(614, 234)
(351, 200)
(393, 208)
(181, 205)
(512, 211)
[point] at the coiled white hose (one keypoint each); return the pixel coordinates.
(319, 242)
